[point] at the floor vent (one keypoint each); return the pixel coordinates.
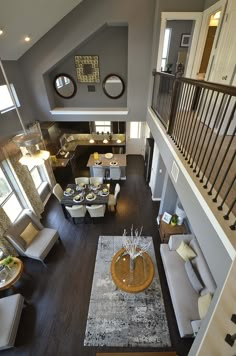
(175, 171)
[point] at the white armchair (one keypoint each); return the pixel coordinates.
(84, 180)
(78, 211)
(112, 201)
(96, 211)
(58, 192)
(30, 237)
(115, 173)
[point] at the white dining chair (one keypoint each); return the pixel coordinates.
(94, 180)
(98, 171)
(112, 200)
(84, 180)
(76, 211)
(58, 192)
(96, 211)
(115, 173)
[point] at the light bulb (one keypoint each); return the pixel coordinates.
(1, 32)
(27, 38)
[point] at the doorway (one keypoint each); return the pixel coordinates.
(178, 40)
(135, 138)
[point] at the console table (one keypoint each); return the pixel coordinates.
(166, 230)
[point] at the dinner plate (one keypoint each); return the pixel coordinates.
(78, 198)
(98, 163)
(68, 192)
(113, 163)
(91, 197)
(108, 155)
(103, 194)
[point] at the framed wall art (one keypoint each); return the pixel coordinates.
(87, 69)
(185, 40)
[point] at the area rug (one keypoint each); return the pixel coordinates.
(121, 319)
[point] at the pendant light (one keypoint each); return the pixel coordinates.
(27, 142)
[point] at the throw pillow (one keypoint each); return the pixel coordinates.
(193, 278)
(185, 251)
(29, 234)
(204, 302)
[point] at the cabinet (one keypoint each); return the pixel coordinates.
(166, 230)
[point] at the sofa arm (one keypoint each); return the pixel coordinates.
(175, 240)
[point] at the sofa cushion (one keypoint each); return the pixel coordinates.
(192, 276)
(10, 312)
(183, 296)
(204, 302)
(29, 234)
(185, 251)
(202, 268)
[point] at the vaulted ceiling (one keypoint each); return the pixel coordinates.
(33, 18)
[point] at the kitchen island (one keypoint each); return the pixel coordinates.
(106, 163)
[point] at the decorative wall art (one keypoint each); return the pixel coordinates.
(185, 40)
(87, 69)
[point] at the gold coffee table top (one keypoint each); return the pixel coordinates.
(132, 281)
(14, 273)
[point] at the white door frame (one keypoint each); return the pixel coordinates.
(195, 16)
(220, 5)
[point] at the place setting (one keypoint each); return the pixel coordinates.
(78, 198)
(104, 192)
(91, 196)
(113, 163)
(68, 192)
(80, 186)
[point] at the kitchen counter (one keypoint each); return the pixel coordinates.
(119, 158)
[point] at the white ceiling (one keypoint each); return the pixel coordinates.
(19, 18)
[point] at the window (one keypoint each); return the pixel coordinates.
(36, 175)
(135, 129)
(8, 199)
(166, 47)
(6, 103)
(103, 126)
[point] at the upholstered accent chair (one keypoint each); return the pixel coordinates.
(94, 180)
(96, 211)
(58, 192)
(10, 313)
(115, 173)
(98, 171)
(78, 211)
(30, 237)
(112, 201)
(79, 180)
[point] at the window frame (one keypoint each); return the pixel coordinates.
(11, 107)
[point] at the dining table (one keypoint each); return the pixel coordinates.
(84, 191)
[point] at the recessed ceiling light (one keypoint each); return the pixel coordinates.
(1, 31)
(27, 38)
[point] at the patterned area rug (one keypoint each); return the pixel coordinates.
(120, 319)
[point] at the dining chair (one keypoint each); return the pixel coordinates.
(78, 211)
(98, 180)
(112, 200)
(96, 211)
(115, 173)
(98, 171)
(58, 192)
(79, 180)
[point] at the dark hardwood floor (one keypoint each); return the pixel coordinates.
(54, 322)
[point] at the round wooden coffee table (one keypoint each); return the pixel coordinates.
(132, 281)
(14, 273)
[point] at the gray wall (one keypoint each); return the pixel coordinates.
(111, 46)
(73, 30)
(9, 122)
(209, 3)
(178, 28)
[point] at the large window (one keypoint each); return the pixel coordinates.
(8, 198)
(103, 126)
(6, 103)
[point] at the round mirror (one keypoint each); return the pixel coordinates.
(65, 86)
(113, 86)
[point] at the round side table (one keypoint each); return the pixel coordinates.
(14, 273)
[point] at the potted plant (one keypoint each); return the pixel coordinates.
(174, 220)
(8, 262)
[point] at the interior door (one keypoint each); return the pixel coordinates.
(224, 67)
(135, 138)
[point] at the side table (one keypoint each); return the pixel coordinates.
(15, 273)
(166, 230)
